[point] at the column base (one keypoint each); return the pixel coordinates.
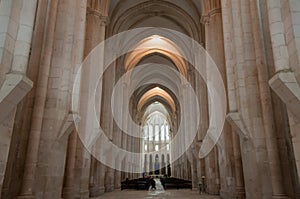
(109, 188)
(280, 197)
(25, 197)
(85, 194)
(117, 187)
(68, 192)
(96, 191)
(240, 193)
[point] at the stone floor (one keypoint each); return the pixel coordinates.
(159, 193)
(169, 194)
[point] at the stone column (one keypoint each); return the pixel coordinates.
(292, 35)
(52, 101)
(40, 98)
(279, 47)
(211, 173)
(212, 19)
(95, 34)
(101, 178)
(118, 104)
(194, 170)
(125, 136)
(68, 189)
(17, 24)
(106, 119)
(267, 109)
(117, 134)
(94, 186)
(253, 117)
(232, 92)
(285, 45)
(238, 167)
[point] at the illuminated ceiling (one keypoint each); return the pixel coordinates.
(156, 44)
(156, 92)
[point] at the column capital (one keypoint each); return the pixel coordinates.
(206, 17)
(103, 18)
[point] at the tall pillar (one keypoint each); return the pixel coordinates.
(17, 25)
(68, 189)
(194, 169)
(101, 178)
(267, 109)
(52, 101)
(211, 173)
(212, 18)
(41, 89)
(95, 187)
(125, 136)
(232, 93)
(95, 34)
(106, 119)
(117, 134)
(285, 45)
(277, 36)
(238, 167)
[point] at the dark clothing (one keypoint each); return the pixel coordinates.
(153, 184)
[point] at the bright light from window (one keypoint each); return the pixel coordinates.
(167, 133)
(168, 147)
(150, 133)
(156, 147)
(162, 135)
(146, 132)
(146, 147)
(156, 133)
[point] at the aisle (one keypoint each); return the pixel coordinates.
(159, 193)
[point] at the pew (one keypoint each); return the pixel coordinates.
(175, 183)
(137, 184)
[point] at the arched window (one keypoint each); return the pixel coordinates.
(156, 127)
(150, 133)
(156, 133)
(146, 135)
(167, 133)
(162, 134)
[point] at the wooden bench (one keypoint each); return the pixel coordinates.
(174, 183)
(137, 184)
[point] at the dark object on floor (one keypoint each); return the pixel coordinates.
(137, 184)
(175, 183)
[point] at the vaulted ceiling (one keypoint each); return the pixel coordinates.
(183, 16)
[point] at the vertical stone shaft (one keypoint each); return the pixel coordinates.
(265, 97)
(24, 36)
(68, 189)
(38, 110)
(279, 47)
(232, 91)
(95, 34)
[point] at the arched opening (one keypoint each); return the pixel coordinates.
(156, 135)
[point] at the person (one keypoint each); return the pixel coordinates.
(153, 184)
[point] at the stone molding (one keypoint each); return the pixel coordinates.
(67, 127)
(238, 124)
(104, 19)
(285, 85)
(206, 18)
(13, 90)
